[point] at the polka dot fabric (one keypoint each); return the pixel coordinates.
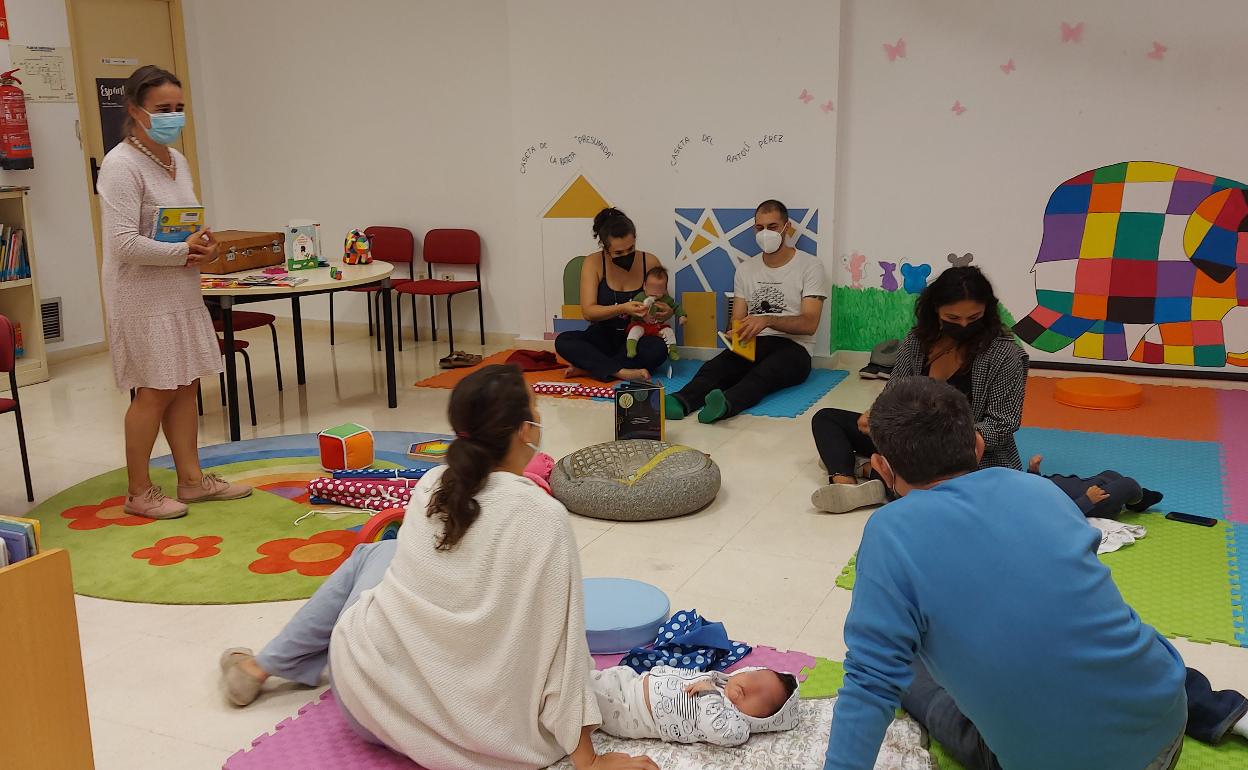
(688, 641)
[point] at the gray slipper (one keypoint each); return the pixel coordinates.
(240, 687)
(843, 498)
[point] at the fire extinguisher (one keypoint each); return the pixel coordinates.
(15, 151)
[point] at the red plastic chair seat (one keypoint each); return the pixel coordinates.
(246, 319)
(394, 284)
(238, 345)
(431, 287)
(7, 405)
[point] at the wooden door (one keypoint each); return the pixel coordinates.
(111, 39)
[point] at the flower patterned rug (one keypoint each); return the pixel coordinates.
(248, 550)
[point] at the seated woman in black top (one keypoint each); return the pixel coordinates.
(610, 278)
(957, 337)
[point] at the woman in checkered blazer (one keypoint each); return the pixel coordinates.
(957, 337)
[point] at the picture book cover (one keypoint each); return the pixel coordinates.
(175, 224)
(733, 343)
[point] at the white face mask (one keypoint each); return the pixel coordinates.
(769, 241)
(538, 446)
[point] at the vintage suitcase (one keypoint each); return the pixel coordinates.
(245, 250)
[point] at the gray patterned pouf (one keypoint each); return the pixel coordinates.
(635, 480)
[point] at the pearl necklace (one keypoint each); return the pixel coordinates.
(169, 167)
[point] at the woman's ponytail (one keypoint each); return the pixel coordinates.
(612, 223)
(486, 410)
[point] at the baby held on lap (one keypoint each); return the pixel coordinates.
(686, 706)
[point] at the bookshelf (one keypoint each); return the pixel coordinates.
(19, 300)
(44, 699)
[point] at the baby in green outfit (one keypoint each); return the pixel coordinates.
(655, 290)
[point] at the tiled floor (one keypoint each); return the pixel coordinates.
(759, 558)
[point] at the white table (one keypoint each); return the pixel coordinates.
(318, 282)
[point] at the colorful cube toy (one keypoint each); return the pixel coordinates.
(346, 447)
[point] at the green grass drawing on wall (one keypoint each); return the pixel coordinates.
(861, 318)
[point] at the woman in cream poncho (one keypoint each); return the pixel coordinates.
(462, 643)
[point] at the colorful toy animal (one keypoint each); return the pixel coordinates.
(888, 280)
(1141, 243)
(914, 277)
(855, 263)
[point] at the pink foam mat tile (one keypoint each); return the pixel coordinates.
(318, 738)
(1233, 436)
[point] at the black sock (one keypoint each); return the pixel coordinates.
(1147, 500)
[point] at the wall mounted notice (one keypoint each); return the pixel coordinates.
(47, 74)
(4, 22)
(111, 93)
(120, 61)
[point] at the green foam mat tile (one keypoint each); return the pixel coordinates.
(1177, 578)
(846, 578)
(823, 680)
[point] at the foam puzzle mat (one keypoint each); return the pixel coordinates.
(318, 738)
(1183, 580)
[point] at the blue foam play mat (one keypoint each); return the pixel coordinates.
(790, 402)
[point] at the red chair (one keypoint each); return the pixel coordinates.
(388, 244)
(8, 363)
(247, 319)
(448, 247)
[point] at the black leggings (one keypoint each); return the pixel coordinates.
(838, 440)
(778, 363)
(600, 350)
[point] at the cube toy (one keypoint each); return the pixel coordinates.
(346, 447)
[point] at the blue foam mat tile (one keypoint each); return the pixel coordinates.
(1188, 473)
(790, 402)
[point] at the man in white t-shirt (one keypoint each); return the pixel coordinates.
(778, 303)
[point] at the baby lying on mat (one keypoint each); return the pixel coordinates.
(685, 706)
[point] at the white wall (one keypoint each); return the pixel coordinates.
(643, 76)
(919, 182)
(418, 114)
(59, 203)
(355, 114)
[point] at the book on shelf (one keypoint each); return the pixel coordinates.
(14, 263)
(20, 536)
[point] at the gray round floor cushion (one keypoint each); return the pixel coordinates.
(635, 480)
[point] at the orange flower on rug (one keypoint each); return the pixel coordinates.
(315, 556)
(179, 548)
(109, 513)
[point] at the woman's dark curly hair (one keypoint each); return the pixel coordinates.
(954, 285)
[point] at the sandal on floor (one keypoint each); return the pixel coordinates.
(459, 360)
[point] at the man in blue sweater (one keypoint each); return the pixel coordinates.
(981, 608)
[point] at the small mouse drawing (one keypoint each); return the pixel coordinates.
(855, 264)
(914, 277)
(962, 261)
(888, 280)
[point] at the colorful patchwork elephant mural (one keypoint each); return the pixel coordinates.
(1141, 243)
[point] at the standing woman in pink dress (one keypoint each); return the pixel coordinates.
(160, 334)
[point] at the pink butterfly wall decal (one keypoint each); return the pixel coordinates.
(1158, 53)
(827, 106)
(1008, 67)
(1072, 33)
(957, 108)
(895, 52)
(806, 96)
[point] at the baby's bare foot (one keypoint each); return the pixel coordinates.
(575, 371)
(633, 374)
(1034, 465)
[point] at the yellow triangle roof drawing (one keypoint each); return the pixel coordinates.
(579, 201)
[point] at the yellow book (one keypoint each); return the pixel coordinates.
(743, 349)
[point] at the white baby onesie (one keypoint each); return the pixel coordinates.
(674, 716)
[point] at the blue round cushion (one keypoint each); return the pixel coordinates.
(621, 614)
